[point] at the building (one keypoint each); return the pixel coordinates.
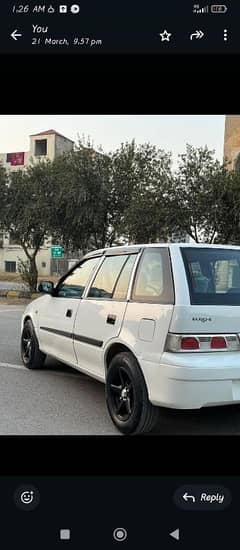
(232, 141)
(45, 145)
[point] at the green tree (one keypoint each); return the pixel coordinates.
(142, 180)
(104, 200)
(237, 164)
(81, 215)
(28, 210)
(197, 197)
(229, 212)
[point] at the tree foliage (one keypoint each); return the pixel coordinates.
(229, 212)
(141, 180)
(86, 200)
(27, 211)
(198, 195)
(81, 199)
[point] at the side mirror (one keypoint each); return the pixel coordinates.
(46, 287)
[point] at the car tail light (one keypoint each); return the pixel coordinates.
(218, 342)
(189, 343)
(202, 342)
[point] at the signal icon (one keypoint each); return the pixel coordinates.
(197, 9)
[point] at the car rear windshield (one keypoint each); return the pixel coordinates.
(213, 275)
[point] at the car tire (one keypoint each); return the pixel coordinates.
(31, 355)
(127, 396)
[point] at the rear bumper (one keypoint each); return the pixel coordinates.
(192, 381)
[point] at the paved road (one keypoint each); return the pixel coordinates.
(54, 401)
(59, 400)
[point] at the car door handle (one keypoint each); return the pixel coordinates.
(69, 313)
(111, 319)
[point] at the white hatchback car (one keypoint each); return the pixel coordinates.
(159, 323)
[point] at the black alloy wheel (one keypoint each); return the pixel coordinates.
(31, 355)
(121, 388)
(127, 396)
(26, 343)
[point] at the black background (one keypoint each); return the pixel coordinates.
(119, 456)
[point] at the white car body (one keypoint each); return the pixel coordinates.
(180, 379)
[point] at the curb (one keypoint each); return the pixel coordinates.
(19, 294)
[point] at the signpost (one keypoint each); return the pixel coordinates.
(56, 253)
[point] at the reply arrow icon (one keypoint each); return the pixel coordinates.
(187, 497)
(15, 34)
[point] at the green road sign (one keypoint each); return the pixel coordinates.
(57, 252)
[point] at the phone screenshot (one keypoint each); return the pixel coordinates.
(119, 274)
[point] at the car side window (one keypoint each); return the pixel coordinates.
(107, 276)
(74, 284)
(121, 288)
(153, 282)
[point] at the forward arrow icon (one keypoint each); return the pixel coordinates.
(197, 34)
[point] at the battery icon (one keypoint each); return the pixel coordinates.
(218, 8)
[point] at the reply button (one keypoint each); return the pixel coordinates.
(202, 497)
(216, 497)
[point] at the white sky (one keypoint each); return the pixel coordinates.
(170, 132)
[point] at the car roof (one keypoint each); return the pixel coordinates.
(126, 249)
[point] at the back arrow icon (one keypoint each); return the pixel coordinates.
(15, 34)
(175, 534)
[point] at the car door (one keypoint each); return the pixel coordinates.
(57, 315)
(101, 312)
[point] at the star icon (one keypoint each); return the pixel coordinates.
(165, 35)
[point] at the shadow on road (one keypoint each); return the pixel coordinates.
(56, 366)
